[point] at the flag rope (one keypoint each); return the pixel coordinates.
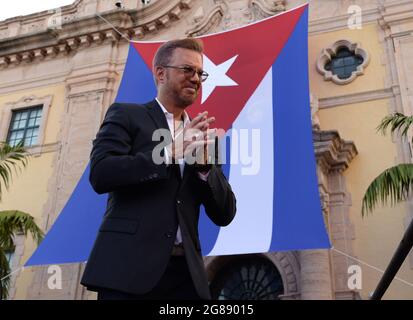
(113, 27)
(369, 265)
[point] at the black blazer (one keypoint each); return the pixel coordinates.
(145, 203)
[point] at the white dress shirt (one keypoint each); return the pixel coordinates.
(170, 119)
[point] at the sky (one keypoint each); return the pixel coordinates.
(22, 7)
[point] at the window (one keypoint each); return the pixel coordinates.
(344, 63)
(24, 126)
(252, 278)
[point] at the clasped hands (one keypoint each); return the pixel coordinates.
(191, 143)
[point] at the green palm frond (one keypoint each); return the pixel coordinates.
(394, 184)
(11, 158)
(14, 221)
(4, 275)
(397, 122)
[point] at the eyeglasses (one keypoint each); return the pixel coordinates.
(190, 72)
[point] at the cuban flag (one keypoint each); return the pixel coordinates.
(258, 91)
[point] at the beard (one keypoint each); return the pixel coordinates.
(187, 99)
(180, 92)
(183, 96)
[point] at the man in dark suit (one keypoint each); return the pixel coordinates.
(148, 244)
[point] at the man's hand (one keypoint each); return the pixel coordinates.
(192, 138)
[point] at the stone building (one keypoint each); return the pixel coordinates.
(62, 68)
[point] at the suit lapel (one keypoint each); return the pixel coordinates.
(158, 117)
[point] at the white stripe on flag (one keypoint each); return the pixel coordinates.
(251, 229)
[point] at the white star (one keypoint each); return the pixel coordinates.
(217, 76)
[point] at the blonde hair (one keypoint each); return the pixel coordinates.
(165, 51)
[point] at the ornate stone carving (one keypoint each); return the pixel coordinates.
(206, 23)
(261, 9)
(80, 30)
(314, 112)
(224, 15)
(333, 153)
(325, 200)
(333, 157)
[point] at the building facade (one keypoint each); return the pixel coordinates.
(60, 70)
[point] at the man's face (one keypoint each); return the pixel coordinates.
(181, 87)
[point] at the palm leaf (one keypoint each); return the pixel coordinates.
(11, 158)
(4, 275)
(394, 185)
(397, 122)
(14, 221)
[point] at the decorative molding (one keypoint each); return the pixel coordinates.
(396, 14)
(38, 150)
(339, 22)
(333, 157)
(204, 24)
(288, 265)
(328, 54)
(314, 105)
(333, 153)
(221, 16)
(261, 9)
(396, 18)
(84, 31)
(357, 97)
(342, 233)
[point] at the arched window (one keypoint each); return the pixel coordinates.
(247, 278)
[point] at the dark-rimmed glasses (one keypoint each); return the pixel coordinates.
(190, 71)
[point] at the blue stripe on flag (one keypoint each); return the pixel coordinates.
(137, 85)
(298, 220)
(72, 235)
